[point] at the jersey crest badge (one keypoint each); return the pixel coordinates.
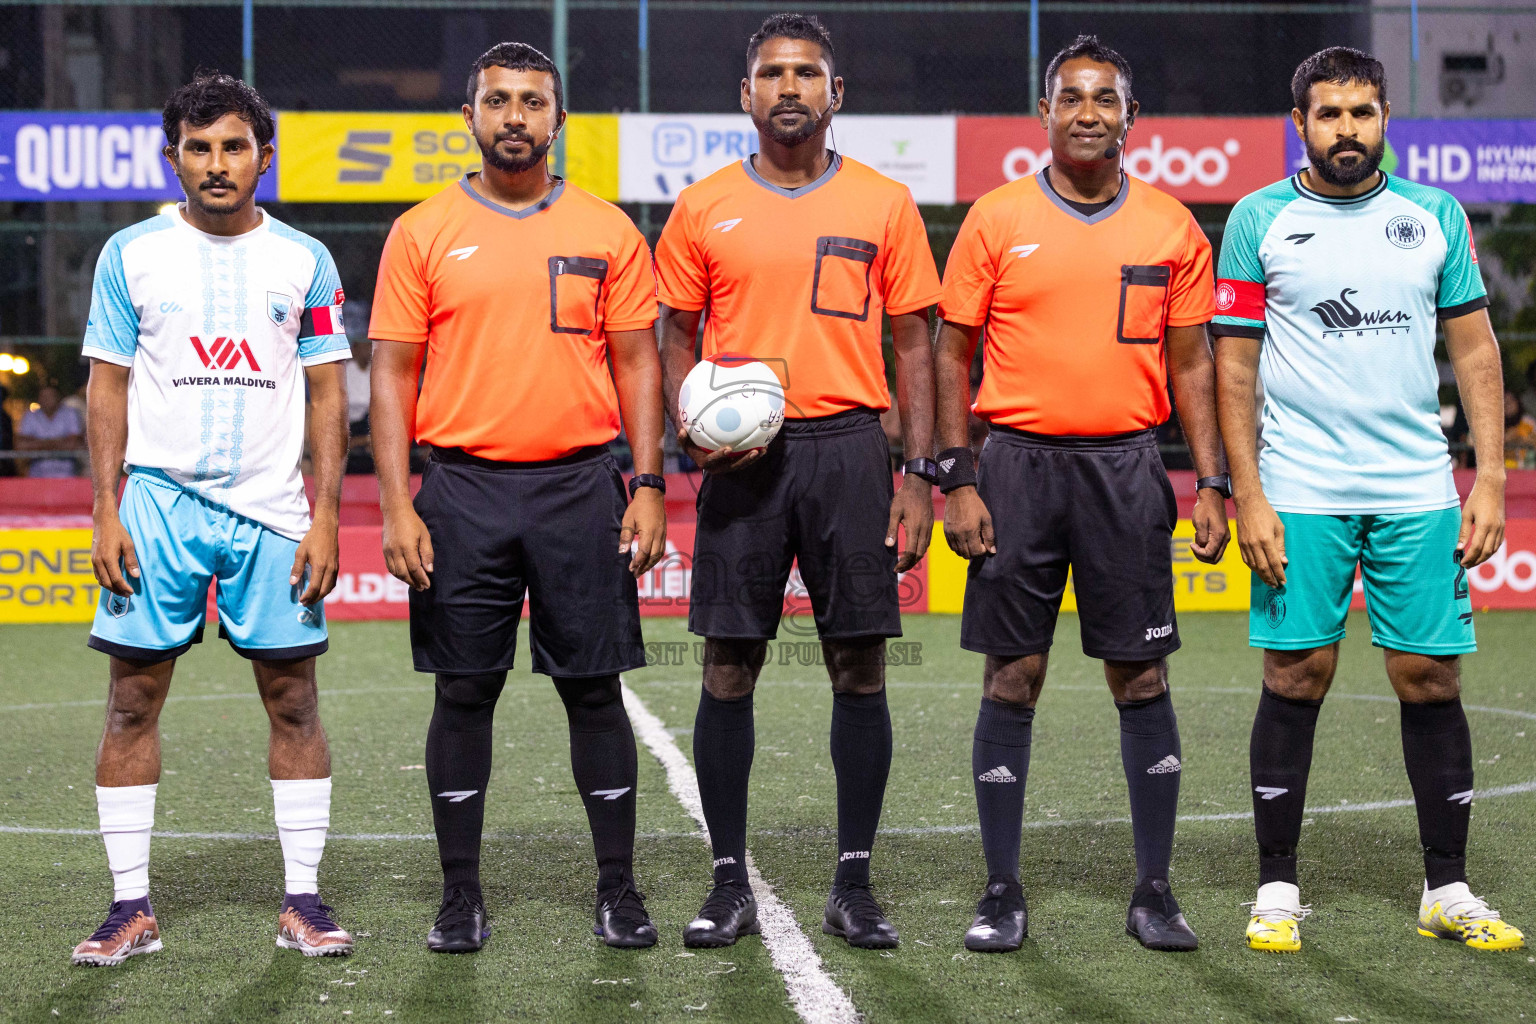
(279, 308)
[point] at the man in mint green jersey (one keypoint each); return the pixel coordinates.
(1328, 291)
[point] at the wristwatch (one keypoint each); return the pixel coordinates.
(1222, 484)
(640, 480)
(925, 469)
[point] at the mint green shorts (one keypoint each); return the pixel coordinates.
(1415, 591)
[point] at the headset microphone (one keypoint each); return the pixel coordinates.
(1111, 151)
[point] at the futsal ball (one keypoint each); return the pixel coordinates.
(733, 401)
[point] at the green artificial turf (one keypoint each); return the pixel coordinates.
(216, 897)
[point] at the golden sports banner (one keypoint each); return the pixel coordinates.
(382, 158)
(46, 576)
(1197, 587)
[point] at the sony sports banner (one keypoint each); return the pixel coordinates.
(661, 154)
(50, 156)
(1475, 161)
(1193, 159)
(383, 157)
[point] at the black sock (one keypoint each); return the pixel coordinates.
(1000, 767)
(1149, 750)
(458, 769)
(1279, 760)
(604, 766)
(723, 743)
(1437, 748)
(861, 757)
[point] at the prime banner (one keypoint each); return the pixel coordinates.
(45, 576)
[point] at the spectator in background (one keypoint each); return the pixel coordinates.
(7, 435)
(51, 426)
(78, 403)
(1529, 398)
(1519, 433)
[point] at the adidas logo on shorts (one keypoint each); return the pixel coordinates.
(998, 774)
(1167, 766)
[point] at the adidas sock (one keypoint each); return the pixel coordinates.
(724, 739)
(999, 767)
(861, 758)
(458, 769)
(603, 762)
(127, 813)
(302, 809)
(1279, 760)
(1437, 748)
(1149, 751)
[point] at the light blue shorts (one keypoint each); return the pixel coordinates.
(1415, 590)
(183, 543)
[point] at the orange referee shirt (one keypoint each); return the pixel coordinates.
(514, 308)
(1074, 306)
(798, 278)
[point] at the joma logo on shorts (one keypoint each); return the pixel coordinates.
(1158, 632)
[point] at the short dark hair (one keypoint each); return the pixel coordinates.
(515, 57)
(1339, 65)
(211, 95)
(1087, 46)
(791, 26)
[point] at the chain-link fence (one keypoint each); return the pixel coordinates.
(1444, 59)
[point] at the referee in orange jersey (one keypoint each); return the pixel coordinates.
(520, 290)
(1084, 282)
(796, 252)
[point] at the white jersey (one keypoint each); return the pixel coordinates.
(217, 331)
(1345, 293)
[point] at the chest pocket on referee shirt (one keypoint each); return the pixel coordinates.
(841, 285)
(1143, 304)
(575, 292)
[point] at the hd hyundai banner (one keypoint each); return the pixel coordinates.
(49, 156)
(1193, 159)
(1475, 161)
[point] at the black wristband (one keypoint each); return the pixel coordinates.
(640, 480)
(957, 468)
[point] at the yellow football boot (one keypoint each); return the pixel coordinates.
(1452, 912)
(1276, 923)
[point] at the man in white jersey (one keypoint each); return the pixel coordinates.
(206, 323)
(1328, 291)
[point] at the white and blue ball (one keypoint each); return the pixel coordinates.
(731, 401)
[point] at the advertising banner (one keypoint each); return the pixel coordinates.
(661, 154)
(45, 576)
(1197, 587)
(1193, 159)
(377, 158)
(50, 156)
(1475, 161)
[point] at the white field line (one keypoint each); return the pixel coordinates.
(815, 996)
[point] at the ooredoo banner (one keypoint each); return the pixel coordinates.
(49, 156)
(1475, 161)
(1193, 159)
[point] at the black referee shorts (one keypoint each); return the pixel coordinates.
(500, 529)
(1102, 506)
(821, 493)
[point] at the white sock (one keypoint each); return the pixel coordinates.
(302, 808)
(127, 814)
(1278, 896)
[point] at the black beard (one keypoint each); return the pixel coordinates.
(810, 129)
(515, 164)
(1350, 174)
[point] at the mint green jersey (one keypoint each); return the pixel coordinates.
(1344, 293)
